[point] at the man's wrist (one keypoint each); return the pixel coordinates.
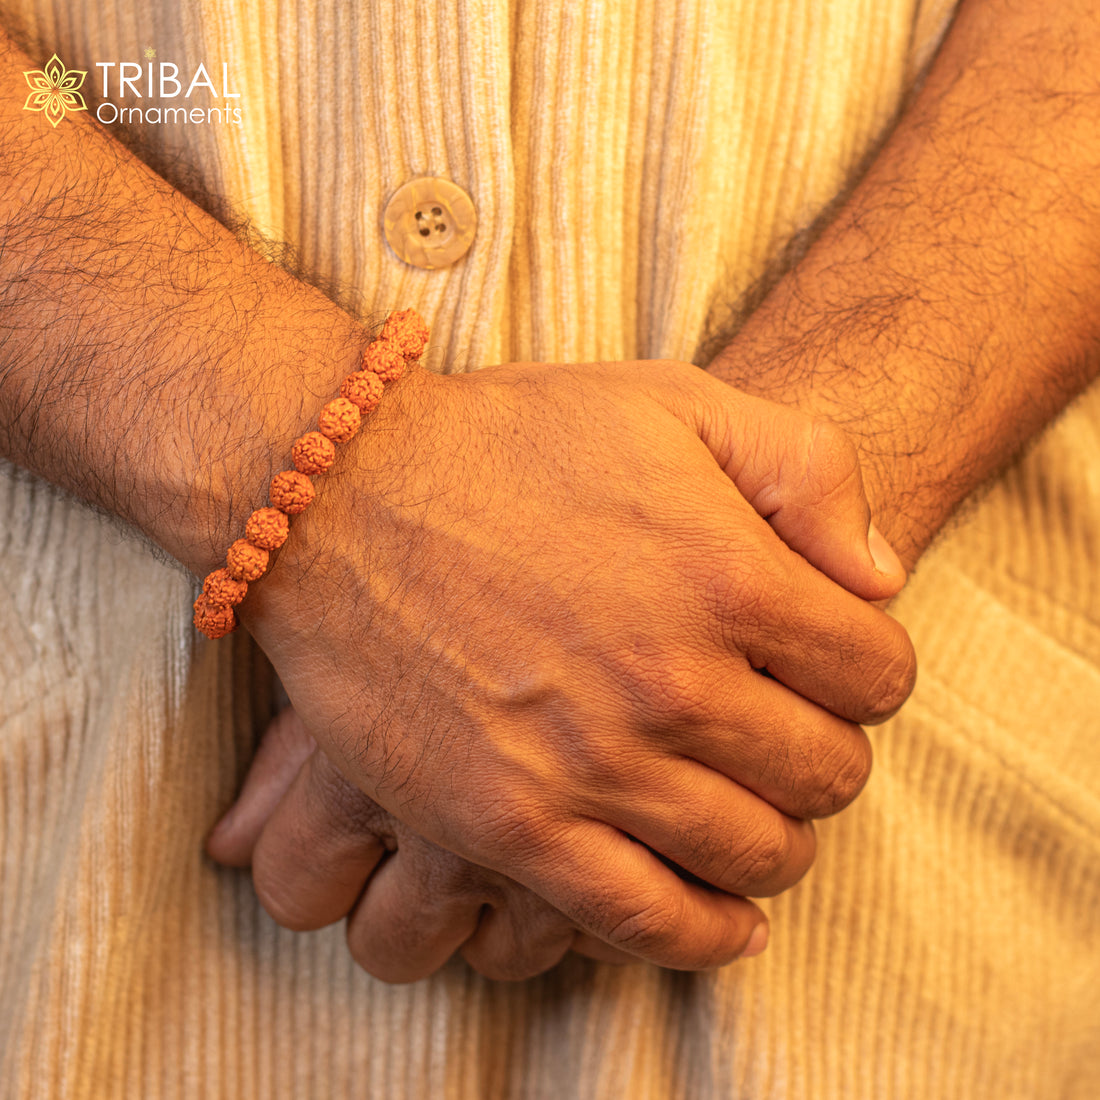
(949, 311)
(150, 362)
(262, 392)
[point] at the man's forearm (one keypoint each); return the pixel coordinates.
(149, 362)
(485, 597)
(953, 307)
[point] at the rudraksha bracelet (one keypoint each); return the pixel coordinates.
(401, 341)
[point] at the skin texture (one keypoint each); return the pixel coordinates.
(590, 708)
(554, 588)
(946, 313)
(326, 839)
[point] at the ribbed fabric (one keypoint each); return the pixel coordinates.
(634, 167)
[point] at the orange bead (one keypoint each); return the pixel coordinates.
(385, 359)
(403, 339)
(313, 453)
(215, 620)
(406, 328)
(245, 562)
(339, 420)
(291, 492)
(363, 389)
(220, 588)
(267, 528)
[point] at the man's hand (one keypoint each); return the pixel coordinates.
(410, 904)
(529, 612)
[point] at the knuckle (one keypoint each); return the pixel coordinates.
(343, 819)
(895, 680)
(670, 691)
(391, 946)
(384, 963)
(747, 594)
(281, 880)
(656, 931)
(774, 860)
(285, 904)
(761, 856)
(448, 878)
(595, 764)
(842, 773)
(757, 583)
(832, 462)
(649, 931)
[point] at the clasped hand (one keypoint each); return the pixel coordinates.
(598, 638)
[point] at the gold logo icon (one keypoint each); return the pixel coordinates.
(54, 90)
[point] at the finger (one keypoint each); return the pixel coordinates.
(319, 848)
(709, 826)
(809, 634)
(420, 907)
(805, 629)
(520, 939)
(790, 752)
(620, 892)
(804, 477)
(283, 748)
(794, 754)
(425, 904)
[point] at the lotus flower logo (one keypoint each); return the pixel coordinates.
(54, 90)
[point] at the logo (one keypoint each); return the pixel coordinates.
(54, 90)
(154, 93)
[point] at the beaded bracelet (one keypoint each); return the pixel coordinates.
(402, 341)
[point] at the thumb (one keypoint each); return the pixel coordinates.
(284, 748)
(803, 476)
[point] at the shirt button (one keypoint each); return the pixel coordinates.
(430, 222)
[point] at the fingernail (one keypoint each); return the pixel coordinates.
(882, 554)
(757, 941)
